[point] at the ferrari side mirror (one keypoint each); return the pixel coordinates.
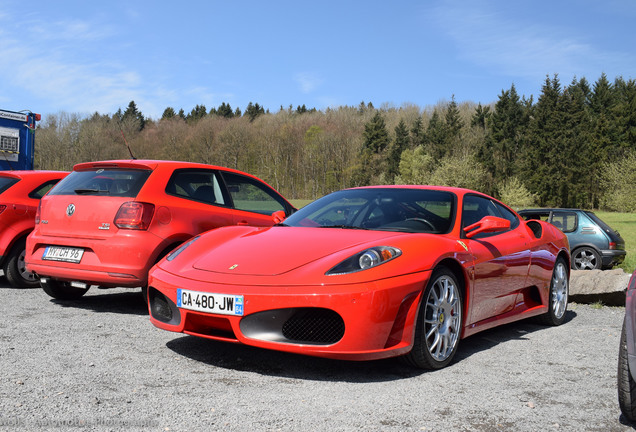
(488, 224)
(278, 216)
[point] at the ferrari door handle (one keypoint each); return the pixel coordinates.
(243, 222)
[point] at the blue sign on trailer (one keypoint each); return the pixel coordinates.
(17, 140)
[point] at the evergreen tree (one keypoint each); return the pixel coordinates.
(372, 163)
(418, 135)
(168, 113)
(133, 115)
(502, 144)
(436, 137)
(454, 123)
(399, 144)
(480, 117)
(225, 110)
(253, 111)
(376, 137)
(197, 113)
(543, 157)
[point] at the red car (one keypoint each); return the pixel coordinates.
(20, 194)
(367, 273)
(108, 222)
(627, 355)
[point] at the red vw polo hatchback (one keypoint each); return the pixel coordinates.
(20, 194)
(109, 222)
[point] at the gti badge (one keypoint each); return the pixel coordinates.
(70, 210)
(104, 226)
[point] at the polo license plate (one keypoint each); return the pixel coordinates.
(210, 303)
(62, 253)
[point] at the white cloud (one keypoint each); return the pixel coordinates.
(307, 81)
(491, 38)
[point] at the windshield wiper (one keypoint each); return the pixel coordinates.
(344, 227)
(86, 191)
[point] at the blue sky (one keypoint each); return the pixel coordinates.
(84, 56)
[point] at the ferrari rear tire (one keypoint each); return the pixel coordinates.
(626, 384)
(439, 322)
(15, 269)
(558, 296)
(62, 290)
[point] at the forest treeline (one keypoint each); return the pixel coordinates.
(575, 146)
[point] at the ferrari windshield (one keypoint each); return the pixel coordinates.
(385, 209)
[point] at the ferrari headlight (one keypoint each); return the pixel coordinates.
(366, 259)
(172, 255)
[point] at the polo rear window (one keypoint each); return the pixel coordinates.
(6, 183)
(103, 182)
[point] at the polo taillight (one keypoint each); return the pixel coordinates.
(37, 213)
(134, 215)
(612, 245)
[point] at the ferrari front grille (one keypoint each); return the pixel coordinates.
(314, 325)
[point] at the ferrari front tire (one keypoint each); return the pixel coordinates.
(61, 290)
(439, 322)
(626, 384)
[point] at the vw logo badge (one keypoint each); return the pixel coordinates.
(70, 210)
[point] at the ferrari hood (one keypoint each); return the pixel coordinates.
(276, 250)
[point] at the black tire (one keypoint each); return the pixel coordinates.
(586, 258)
(558, 295)
(15, 269)
(62, 290)
(440, 317)
(626, 384)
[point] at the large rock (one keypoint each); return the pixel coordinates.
(605, 286)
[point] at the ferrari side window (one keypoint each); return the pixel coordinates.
(475, 208)
(507, 214)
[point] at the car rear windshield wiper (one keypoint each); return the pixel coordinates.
(87, 191)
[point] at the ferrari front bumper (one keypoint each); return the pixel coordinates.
(361, 321)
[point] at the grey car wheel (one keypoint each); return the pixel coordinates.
(586, 258)
(439, 322)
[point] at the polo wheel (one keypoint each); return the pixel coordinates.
(62, 290)
(15, 269)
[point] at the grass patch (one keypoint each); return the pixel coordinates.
(300, 203)
(625, 224)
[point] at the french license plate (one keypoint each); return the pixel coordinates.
(211, 303)
(61, 253)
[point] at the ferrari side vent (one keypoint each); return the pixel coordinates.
(314, 325)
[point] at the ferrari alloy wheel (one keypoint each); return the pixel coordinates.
(626, 384)
(439, 322)
(586, 258)
(558, 296)
(15, 269)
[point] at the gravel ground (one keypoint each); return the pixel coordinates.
(99, 364)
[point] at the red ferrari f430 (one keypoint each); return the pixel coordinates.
(367, 273)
